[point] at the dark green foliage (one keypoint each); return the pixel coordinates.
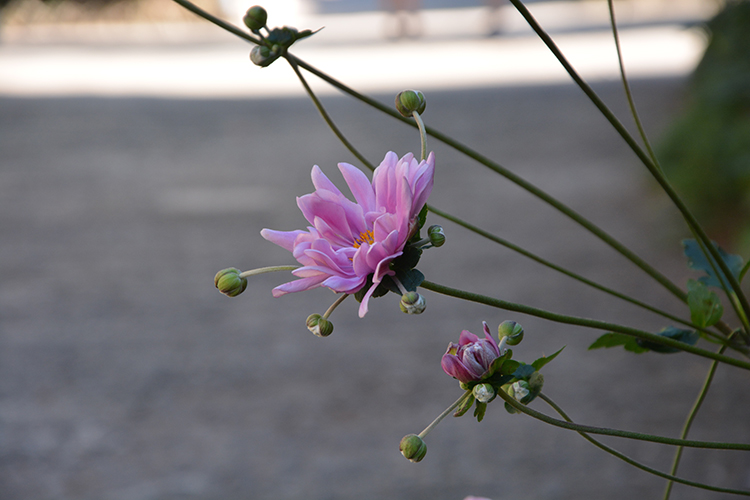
(706, 154)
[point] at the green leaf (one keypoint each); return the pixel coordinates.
(687, 336)
(697, 260)
(618, 339)
(539, 363)
(744, 272)
(479, 410)
(422, 217)
(524, 371)
(461, 410)
(705, 306)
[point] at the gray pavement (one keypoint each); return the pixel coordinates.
(124, 375)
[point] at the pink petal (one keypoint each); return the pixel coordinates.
(359, 185)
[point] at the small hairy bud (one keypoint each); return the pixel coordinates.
(412, 303)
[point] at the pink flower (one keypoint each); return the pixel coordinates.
(470, 360)
(349, 241)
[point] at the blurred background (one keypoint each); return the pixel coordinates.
(141, 152)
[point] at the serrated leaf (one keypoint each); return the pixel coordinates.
(479, 410)
(698, 261)
(618, 339)
(461, 410)
(689, 337)
(539, 363)
(705, 306)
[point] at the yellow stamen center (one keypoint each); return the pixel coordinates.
(364, 237)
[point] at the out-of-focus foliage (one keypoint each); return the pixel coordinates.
(706, 153)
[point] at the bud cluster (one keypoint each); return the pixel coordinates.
(275, 43)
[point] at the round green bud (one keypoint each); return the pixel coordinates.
(319, 326)
(255, 18)
(536, 382)
(413, 447)
(484, 393)
(436, 235)
(229, 282)
(412, 303)
(262, 56)
(409, 101)
(512, 330)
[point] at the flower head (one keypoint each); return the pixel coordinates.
(349, 241)
(472, 357)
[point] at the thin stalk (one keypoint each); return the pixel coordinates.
(690, 219)
(422, 134)
(689, 421)
(626, 85)
(326, 117)
(585, 322)
(566, 272)
(445, 413)
(638, 436)
(218, 22)
(671, 477)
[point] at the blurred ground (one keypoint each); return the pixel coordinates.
(125, 375)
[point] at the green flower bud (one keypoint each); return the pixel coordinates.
(512, 330)
(520, 390)
(319, 326)
(409, 101)
(413, 447)
(484, 393)
(536, 382)
(412, 303)
(229, 282)
(255, 18)
(262, 56)
(436, 235)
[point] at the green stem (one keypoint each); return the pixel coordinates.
(585, 322)
(445, 413)
(689, 421)
(269, 269)
(326, 117)
(638, 436)
(655, 171)
(671, 477)
(218, 22)
(338, 301)
(626, 85)
(422, 134)
(566, 272)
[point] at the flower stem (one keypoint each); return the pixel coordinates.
(335, 305)
(422, 134)
(566, 272)
(620, 433)
(626, 86)
(637, 464)
(269, 269)
(585, 322)
(293, 63)
(445, 413)
(689, 421)
(656, 172)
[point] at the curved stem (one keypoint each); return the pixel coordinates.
(638, 436)
(333, 307)
(655, 171)
(671, 477)
(269, 269)
(326, 117)
(689, 421)
(566, 272)
(422, 134)
(585, 322)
